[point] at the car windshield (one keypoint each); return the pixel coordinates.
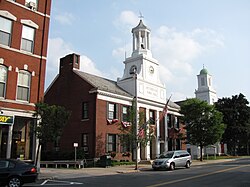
(167, 155)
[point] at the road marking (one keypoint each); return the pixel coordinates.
(61, 182)
(197, 176)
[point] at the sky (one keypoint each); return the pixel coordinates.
(185, 36)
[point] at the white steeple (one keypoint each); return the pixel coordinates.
(141, 40)
(146, 67)
(205, 89)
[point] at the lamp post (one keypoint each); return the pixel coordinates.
(75, 146)
(133, 71)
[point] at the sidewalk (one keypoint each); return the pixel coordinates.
(53, 173)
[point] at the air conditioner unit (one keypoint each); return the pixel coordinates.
(31, 5)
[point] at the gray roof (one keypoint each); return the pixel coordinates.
(140, 26)
(174, 105)
(109, 85)
(102, 83)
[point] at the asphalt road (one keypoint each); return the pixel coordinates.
(229, 174)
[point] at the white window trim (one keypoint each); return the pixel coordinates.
(29, 23)
(8, 15)
(5, 82)
(23, 86)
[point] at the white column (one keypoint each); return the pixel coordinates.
(157, 151)
(139, 148)
(148, 40)
(134, 41)
(8, 153)
(139, 41)
(166, 133)
(147, 148)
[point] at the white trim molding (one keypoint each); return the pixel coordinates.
(8, 15)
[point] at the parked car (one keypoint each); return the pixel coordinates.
(14, 173)
(172, 159)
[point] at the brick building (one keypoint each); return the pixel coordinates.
(99, 105)
(24, 27)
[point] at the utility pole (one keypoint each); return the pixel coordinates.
(134, 73)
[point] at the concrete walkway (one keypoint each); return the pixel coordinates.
(53, 173)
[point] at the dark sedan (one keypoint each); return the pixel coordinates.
(15, 173)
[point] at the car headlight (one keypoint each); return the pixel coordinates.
(165, 162)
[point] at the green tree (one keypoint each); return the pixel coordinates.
(128, 136)
(51, 120)
(203, 123)
(236, 114)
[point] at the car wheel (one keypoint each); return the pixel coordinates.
(14, 182)
(172, 166)
(188, 164)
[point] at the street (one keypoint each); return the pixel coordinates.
(233, 173)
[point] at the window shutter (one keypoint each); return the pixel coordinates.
(116, 111)
(117, 143)
(107, 110)
(107, 136)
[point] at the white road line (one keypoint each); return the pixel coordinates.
(44, 182)
(58, 181)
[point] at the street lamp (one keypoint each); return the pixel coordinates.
(75, 146)
(133, 71)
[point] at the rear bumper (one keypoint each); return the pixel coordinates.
(29, 178)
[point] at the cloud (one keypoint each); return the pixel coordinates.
(64, 18)
(87, 65)
(57, 49)
(127, 20)
(177, 51)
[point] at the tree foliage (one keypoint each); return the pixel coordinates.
(51, 120)
(130, 137)
(203, 122)
(236, 114)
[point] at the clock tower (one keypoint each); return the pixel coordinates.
(147, 84)
(205, 90)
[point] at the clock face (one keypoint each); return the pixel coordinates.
(133, 69)
(151, 69)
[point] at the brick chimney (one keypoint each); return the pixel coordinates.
(69, 62)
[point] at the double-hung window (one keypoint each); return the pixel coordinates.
(5, 31)
(112, 111)
(152, 116)
(23, 85)
(125, 113)
(85, 110)
(111, 143)
(28, 34)
(3, 79)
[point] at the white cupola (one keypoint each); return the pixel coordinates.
(146, 68)
(205, 89)
(141, 40)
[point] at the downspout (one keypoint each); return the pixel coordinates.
(37, 159)
(41, 56)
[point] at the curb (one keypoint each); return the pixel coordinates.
(112, 171)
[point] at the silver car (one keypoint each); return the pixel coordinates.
(172, 159)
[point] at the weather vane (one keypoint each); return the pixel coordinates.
(140, 16)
